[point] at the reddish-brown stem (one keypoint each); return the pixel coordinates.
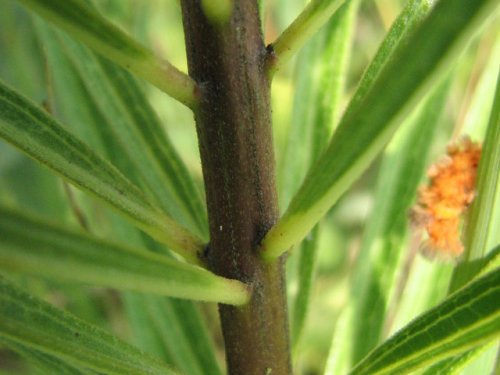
(233, 122)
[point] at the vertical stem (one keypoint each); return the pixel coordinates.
(233, 122)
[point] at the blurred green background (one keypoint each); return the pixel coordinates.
(157, 24)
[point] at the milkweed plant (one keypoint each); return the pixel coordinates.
(249, 187)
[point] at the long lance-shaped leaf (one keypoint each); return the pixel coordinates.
(179, 183)
(152, 316)
(466, 319)
(33, 323)
(198, 337)
(367, 126)
(178, 324)
(479, 225)
(374, 281)
(333, 55)
(87, 25)
(32, 247)
(315, 15)
(130, 132)
(41, 137)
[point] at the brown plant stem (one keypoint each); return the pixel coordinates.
(233, 122)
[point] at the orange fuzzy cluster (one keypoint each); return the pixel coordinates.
(450, 191)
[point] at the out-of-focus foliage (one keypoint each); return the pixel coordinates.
(357, 278)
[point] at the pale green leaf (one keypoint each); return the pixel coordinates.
(182, 333)
(309, 21)
(300, 150)
(367, 127)
(143, 333)
(306, 267)
(200, 338)
(129, 130)
(32, 247)
(297, 149)
(35, 324)
(296, 159)
(407, 21)
(339, 357)
(320, 79)
(86, 24)
(151, 316)
(176, 183)
(465, 320)
(332, 53)
(479, 227)
(477, 113)
(37, 134)
(374, 280)
(480, 219)
(425, 287)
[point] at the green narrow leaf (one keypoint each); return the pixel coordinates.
(151, 323)
(365, 129)
(297, 149)
(420, 281)
(319, 75)
(143, 333)
(333, 55)
(480, 219)
(92, 118)
(315, 14)
(36, 324)
(405, 24)
(134, 130)
(306, 267)
(479, 225)
(297, 155)
(339, 357)
(45, 140)
(295, 160)
(86, 24)
(201, 344)
(32, 247)
(334, 68)
(428, 281)
(182, 334)
(179, 184)
(465, 320)
(66, 86)
(382, 250)
(171, 333)
(478, 110)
